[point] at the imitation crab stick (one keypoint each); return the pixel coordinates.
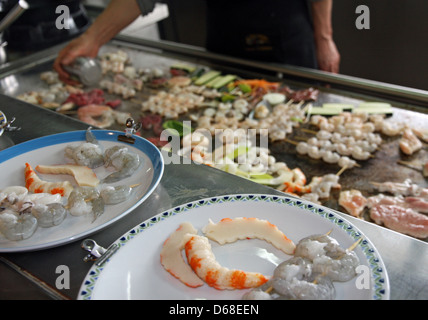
(172, 259)
(202, 260)
(36, 185)
(230, 230)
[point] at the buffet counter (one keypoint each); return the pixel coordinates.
(34, 273)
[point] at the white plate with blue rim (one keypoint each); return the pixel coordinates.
(134, 271)
(49, 150)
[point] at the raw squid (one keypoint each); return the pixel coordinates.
(229, 230)
(172, 259)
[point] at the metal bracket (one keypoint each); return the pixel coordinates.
(131, 128)
(96, 252)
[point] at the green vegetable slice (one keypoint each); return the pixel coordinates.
(206, 77)
(177, 126)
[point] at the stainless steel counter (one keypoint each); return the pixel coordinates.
(32, 275)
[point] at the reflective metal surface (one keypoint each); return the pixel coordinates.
(405, 258)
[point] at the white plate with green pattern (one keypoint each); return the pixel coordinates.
(134, 271)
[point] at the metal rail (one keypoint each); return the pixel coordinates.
(375, 88)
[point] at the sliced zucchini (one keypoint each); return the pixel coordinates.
(325, 111)
(224, 81)
(373, 105)
(185, 67)
(207, 77)
(343, 106)
(375, 108)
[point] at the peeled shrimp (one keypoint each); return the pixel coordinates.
(15, 226)
(49, 215)
(294, 279)
(353, 201)
(203, 262)
(88, 153)
(172, 259)
(327, 257)
(229, 230)
(116, 194)
(123, 161)
(85, 200)
(90, 112)
(409, 143)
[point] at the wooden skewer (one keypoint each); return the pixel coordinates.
(301, 138)
(309, 131)
(341, 171)
(292, 142)
(409, 165)
(67, 111)
(268, 290)
(354, 245)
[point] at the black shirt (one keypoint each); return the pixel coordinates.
(266, 30)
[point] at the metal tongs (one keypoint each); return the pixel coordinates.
(6, 126)
(96, 252)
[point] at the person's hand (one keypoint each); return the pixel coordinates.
(81, 46)
(328, 56)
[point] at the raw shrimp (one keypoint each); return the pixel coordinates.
(125, 162)
(88, 153)
(327, 257)
(203, 262)
(294, 279)
(353, 201)
(172, 259)
(85, 200)
(230, 230)
(89, 113)
(409, 142)
(15, 226)
(49, 215)
(116, 194)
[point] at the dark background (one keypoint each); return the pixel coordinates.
(394, 49)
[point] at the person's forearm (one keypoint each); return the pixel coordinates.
(116, 16)
(321, 14)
